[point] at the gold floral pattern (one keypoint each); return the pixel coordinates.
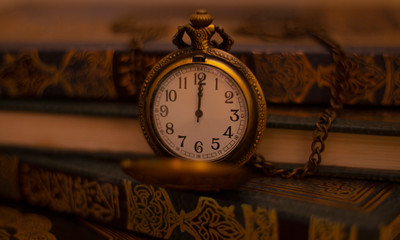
(354, 195)
(209, 220)
(23, 226)
(291, 77)
(151, 211)
(287, 77)
(364, 80)
(324, 229)
(77, 74)
(66, 193)
(130, 70)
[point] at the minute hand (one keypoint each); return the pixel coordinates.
(198, 112)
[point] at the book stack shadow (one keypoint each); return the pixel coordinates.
(69, 116)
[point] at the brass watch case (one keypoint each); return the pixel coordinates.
(257, 109)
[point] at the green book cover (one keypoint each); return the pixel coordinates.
(95, 187)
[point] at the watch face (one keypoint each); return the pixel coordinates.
(199, 112)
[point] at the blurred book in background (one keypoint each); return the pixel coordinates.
(104, 53)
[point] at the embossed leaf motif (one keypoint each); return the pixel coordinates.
(78, 73)
(321, 228)
(90, 198)
(65, 193)
(17, 225)
(267, 226)
(364, 77)
(87, 74)
(342, 189)
(150, 210)
(288, 77)
(211, 221)
(25, 75)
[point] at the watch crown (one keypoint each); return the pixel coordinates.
(200, 31)
(201, 19)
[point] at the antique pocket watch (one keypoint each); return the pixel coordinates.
(201, 103)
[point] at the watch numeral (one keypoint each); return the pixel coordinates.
(228, 132)
(215, 144)
(235, 116)
(201, 77)
(170, 128)
(182, 83)
(216, 84)
(163, 110)
(170, 95)
(198, 147)
(228, 96)
(183, 139)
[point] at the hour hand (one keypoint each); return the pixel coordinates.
(198, 112)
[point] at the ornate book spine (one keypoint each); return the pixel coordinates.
(17, 221)
(286, 77)
(265, 208)
(302, 77)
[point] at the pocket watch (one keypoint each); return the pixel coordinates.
(201, 103)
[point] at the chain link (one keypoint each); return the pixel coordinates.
(340, 93)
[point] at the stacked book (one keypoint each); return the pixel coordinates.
(69, 81)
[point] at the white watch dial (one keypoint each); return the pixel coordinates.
(199, 112)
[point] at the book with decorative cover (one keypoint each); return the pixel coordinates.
(362, 142)
(20, 221)
(44, 58)
(96, 188)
